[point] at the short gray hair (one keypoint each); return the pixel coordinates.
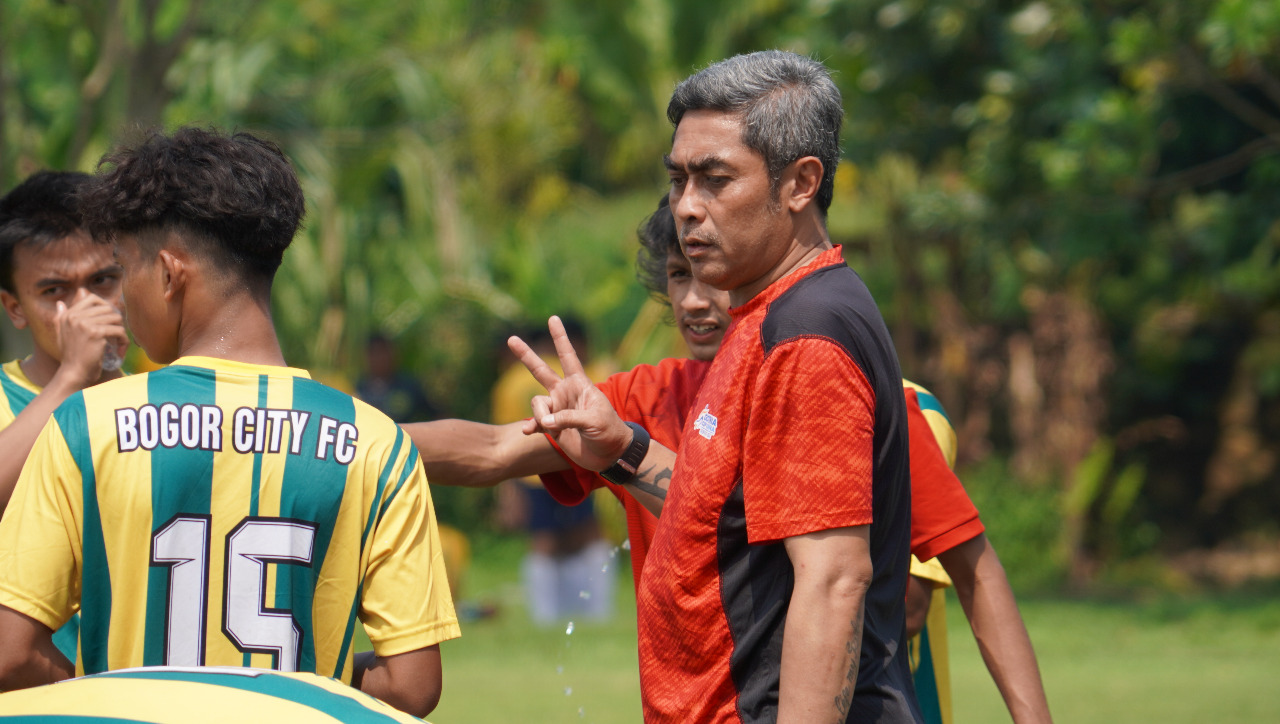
(788, 104)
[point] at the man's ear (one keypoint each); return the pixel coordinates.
(801, 181)
(173, 271)
(13, 308)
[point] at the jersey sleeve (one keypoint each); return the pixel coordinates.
(808, 450)
(942, 515)
(40, 558)
(572, 486)
(406, 604)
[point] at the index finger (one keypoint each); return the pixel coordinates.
(540, 370)
(569, 361)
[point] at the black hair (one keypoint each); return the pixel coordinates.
(788, 104)
(233, 198)
(658, 238)
(37, 212)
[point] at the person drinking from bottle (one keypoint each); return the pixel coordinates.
(57, 283)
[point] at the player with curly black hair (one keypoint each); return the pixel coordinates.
(227, 509)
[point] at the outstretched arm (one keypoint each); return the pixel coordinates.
(583, 423)
(988, 602)
(474, 454)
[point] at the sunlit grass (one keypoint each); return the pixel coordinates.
(1174, 660)
(1162, 658)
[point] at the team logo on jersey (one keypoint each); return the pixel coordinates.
(706, 423)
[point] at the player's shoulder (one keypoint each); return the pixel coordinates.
(830, 302)
(309, 392)
(925, 399)
(12, 378)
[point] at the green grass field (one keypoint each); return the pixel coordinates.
(1193, 659)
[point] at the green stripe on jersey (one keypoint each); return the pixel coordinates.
(264, 383)
(312, 490)
(383, 477)
(95, 586)
(409, 464)
(344, 708)
(16, 396)
(929, 402)
(926, 683)
(181, 484)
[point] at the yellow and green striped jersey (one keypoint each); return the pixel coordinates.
(16, 392)
(173, 695)
(221, 513)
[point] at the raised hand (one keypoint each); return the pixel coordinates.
(89, 330)
(573, 412)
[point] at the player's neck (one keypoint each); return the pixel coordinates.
(240, 330)
(809, 242)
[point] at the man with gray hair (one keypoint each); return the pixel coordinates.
(774, 585)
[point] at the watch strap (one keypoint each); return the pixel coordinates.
(624, 470)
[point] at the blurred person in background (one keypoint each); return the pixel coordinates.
(389, 388)
(565, 572)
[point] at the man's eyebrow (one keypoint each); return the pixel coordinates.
(58, 281)
(698, 165)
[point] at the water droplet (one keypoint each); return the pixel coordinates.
(582, 713)
(614, 553)
(568, 690)
(585, 595)
(626, 544)
(559, 669)
(604, 568)
(568, 631)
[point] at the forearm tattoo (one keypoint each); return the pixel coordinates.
(652, 488)
(852, 647)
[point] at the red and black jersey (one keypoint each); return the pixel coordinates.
(800, 426)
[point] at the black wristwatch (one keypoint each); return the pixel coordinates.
(624, 471)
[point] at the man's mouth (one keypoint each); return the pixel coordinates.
(702, 329)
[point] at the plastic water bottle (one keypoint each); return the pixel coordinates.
(111, 359)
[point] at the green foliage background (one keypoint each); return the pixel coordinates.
(1067, 209)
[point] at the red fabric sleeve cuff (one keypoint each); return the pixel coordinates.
(950, 539)
(572, 486)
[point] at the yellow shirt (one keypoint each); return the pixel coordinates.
(220, 513)
(16, 392)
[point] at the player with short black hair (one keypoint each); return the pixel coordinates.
(55, 282)
(224, 510)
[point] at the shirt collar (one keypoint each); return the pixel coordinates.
(830, 257)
